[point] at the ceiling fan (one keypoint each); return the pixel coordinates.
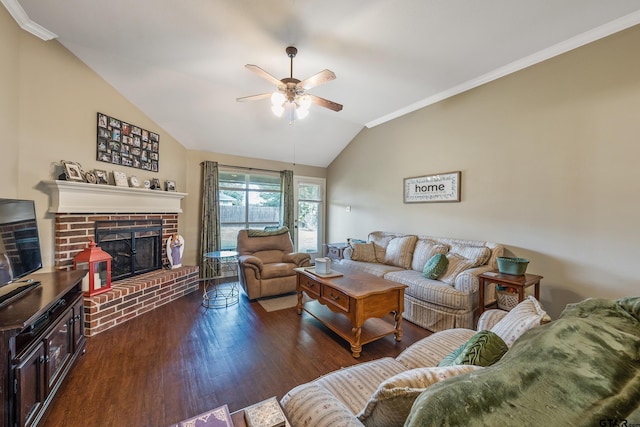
(291, 94)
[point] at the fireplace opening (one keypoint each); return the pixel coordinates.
(135, 245)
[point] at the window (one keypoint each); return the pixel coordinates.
(309, 195)
(247, 200)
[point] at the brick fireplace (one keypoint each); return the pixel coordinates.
(78, 207)
(73, 231)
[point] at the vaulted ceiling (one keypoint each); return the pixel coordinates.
(182, 62)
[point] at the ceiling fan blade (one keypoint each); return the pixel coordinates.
(262, 73)
(254, 97)
(325, 103)
(321, 78)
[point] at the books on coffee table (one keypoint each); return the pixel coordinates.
(267, 413)
(218, 417)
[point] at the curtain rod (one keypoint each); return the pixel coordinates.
(247, 168)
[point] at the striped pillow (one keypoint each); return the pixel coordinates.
(363, 252)
(400, 251)
(520, 319)
(457, 264)
(423, 252)
(391, 403)
(479, 254)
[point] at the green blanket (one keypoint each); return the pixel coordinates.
(577, 370)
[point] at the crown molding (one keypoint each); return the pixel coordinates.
(575, 42)
(23, 20)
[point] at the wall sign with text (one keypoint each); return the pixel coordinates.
(122, 143)
(442, 187)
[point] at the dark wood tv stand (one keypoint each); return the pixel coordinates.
(42, 336)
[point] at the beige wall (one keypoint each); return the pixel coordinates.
(549, 161)
(10, 54)
(193, 206)
(51, 99)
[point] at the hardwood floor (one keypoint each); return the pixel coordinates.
(181, 359)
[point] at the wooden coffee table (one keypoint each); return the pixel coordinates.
(353, 305)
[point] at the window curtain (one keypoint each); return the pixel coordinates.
(210, 226)
(288, 219)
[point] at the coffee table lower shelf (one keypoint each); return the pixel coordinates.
(373, 329)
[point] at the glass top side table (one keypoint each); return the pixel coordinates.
(217, 294)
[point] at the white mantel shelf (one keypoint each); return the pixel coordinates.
(80, 197)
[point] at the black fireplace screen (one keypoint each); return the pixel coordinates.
(135, 245)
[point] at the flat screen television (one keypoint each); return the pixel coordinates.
(19, 240)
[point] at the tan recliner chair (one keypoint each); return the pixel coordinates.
(266, 261)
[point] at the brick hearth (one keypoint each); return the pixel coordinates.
(133, 296)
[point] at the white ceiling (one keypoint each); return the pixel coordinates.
(182, 62)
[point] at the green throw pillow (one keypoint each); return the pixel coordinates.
(436, 265)
(483, 349)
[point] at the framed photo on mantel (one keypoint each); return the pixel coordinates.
(125, 144)
(443, 187)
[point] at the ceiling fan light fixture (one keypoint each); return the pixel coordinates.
(277, 103)
(304, 102)
(301, 113)
(290, 94)
(277, 110)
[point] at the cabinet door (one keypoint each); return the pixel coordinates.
(59, 347)
(78, 324)
(30, 385)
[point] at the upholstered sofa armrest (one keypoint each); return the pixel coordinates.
(251, 261)
(489, 318)
(313, 405)
(298, 258)
(468, 281)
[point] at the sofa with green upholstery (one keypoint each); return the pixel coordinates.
(581, 369)
(381, 392)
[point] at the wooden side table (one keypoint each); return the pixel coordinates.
(334, 250)
(519, 283)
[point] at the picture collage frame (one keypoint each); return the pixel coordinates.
(125, 144)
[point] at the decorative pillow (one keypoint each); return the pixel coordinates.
(479, 254)
(483, 349)
(520, 319)
(457, 264)
(363, 252)
(391, 403)
(380, 240)
(400, 251)
(435, 266)
(423, 252)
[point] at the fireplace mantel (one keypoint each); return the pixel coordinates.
(80, 197)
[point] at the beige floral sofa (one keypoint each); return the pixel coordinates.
(382, 392)
(451, 300)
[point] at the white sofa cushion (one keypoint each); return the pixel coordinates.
(434, 291)
(391, 403)
(374, 268)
